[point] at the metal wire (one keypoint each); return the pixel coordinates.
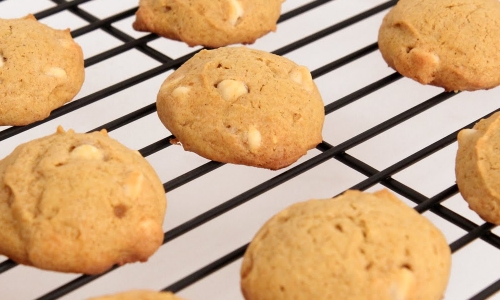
(327, 151)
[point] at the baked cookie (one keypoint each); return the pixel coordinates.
(139, 295)
(358, 246)
(40, 69)
(243, 106)
(477, 167)
(79, 203)
(447, 43)
(213, 23)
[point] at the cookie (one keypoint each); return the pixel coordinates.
(356, 246)
(40, 69)
(477, 167)
(79, 203)
(243, 106)
(213, 23)
(447, 43)
(139, 295)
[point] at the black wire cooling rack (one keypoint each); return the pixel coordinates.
(343, 152)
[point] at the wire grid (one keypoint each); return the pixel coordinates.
(327, 151)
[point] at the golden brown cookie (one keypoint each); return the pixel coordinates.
(213, 23)
(40, 69)
(79, 203)
(358, 246)
(447, 43)
(243, 106)
(477, 167)
(140, 295)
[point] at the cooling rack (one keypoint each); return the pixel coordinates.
(381, 131)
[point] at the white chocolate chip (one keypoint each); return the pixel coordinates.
(254, 139)
(88, 152)
(56, 72)
(1, 60)
(302, 76)
(171, 80)
(468, 136)
(404, 286)
(180, 91)
(232, 89)
(66, 43)
(468, 132)
(133, 184)
(235, 11)
(434, 58)
(148, 227)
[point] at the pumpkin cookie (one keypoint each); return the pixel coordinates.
(40, 69)
(243, 106)
(447, 43)
(213, 23)
(356, 246)
(478, 167)
(79, 203)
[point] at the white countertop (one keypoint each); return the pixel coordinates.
(475, 266)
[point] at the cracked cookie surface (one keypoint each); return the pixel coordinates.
(213, 23)
(139, 295)
(243, 106)
(40, 69)
(447, 43)
(79, 203)
(477, 167)
(355, 246)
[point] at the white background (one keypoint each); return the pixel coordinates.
(474, 267)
